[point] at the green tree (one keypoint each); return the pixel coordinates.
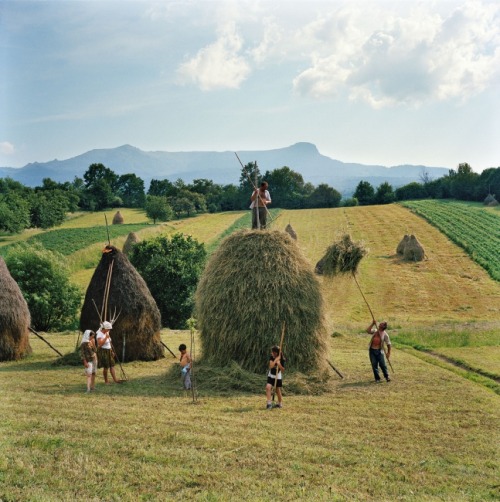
(100, 184)
(130, 188)
(43, 278)
(171, 269)
(464, 182)
(384, 194)
(14, 212)
(364, 193)
(49, 208)
(163, 188)
(287, 188)
(411, 191)
(182, 206)
(157, 208)
(324, 196)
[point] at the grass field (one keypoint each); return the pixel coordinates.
(432, 434)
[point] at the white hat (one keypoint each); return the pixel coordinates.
(107, 325)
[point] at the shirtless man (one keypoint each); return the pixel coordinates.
(376, 348)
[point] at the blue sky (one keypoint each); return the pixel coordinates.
(374, 82)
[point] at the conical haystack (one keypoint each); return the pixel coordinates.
(117, 218)
(489, 199)
(14, 318)
(342, 257)
(413, 251)
(493, 203)
(131, 241)
(253, 283)
(401, 246)
(139, 323)
(291, 232)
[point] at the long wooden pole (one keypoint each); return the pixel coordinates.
(277, 369)
(173, 355)
(42, 338)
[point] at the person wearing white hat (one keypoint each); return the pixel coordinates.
(105, 353)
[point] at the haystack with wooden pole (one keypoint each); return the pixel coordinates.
(291, 232)
(130, 242)
(489, 199)
(401, 246)
(117, 218)
(413, 251)
(117, 290)
(342, 257)
(14, 318)
(255, 283)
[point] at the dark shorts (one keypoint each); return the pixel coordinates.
(270, 380)
(105, 358)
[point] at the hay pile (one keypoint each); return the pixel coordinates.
(131, 241)
(489, 199)
(291, 232)
(413, 251)
(342, 257)
(493, 203)
(14, 318)
(139, 323)
(253, 283)
(401, 246)
(117, 218)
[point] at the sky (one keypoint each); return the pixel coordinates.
(372, 82)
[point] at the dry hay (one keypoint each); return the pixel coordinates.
(252, 284)
(493, 203)
(489, 199)
(342, 257)
(139, 323)
(291, 232)
(131, 241)
(414, 251)
(401, 246)
(117, 218)
(14, 318)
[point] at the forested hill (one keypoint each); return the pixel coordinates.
(221, 167)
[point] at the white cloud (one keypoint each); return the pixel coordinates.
(218, 65)
(7, 148)
(386, 58)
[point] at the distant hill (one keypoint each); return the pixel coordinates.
(222, 167)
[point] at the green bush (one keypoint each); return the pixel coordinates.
(43, 279)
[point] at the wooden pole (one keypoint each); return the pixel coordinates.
(277, 369)
(173, 355)
(42, 338)
(335, 369)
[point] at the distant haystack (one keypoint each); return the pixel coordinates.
(131, 241)
(14, 318)
(342, 257)
(493, 203)
(414, 251)
(252, 284)
(139, 323)
(489, 199)
(401, 246)
(117, 218)
(290, 231)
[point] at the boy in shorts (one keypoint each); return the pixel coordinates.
(274, 377)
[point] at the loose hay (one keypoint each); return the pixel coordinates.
(117, 218)
(253, 283)
(14, 318)
(131, 241)
(401, 246)
(291, 232)
(414, 251)
(342, 257)
(139, 323)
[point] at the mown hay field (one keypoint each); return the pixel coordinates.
(430, 434)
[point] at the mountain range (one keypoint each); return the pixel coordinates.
(222, 167)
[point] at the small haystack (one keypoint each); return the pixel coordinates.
(342, 257)
(252, 284)
(14, 318)
(401, 246)
(139, 323)
(414, 251)
(131, 241)
(291, 232)
(489, 199)
(117, 218)
(493, 203)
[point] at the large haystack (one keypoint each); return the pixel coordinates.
(401, 246)
(139, 323)
(291, 232)
(131, 241)
(253, 283)
(414, 251)
(342, 257)
(117, 218)
(14, 318)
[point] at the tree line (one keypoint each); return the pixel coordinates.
(47, 205)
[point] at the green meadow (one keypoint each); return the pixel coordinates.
(431, 434)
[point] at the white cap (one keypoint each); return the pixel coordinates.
(107, 325)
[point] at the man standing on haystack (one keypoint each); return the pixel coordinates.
(376, 349)
(260, 199)
(105, 355)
